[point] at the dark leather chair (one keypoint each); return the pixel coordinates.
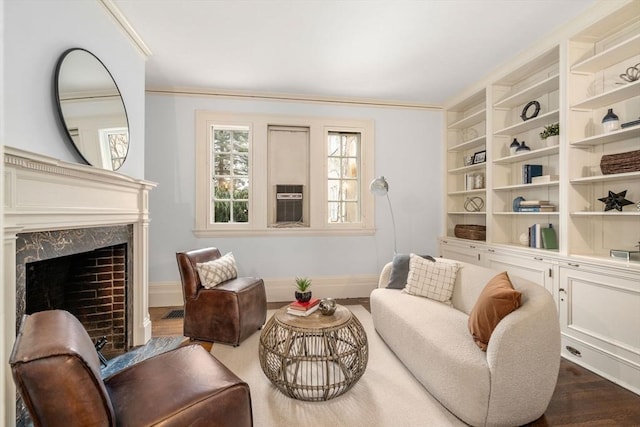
(57, 372)
(227, 313)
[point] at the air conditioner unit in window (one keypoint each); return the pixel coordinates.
(289, 203)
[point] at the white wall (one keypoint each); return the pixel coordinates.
(407, 151)
(36, 34)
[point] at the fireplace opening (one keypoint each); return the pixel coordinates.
(91, 285)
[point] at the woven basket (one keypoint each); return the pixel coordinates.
(469, 231)
(620, 163)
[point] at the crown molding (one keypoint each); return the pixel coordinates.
(116, 14)
(266, 96)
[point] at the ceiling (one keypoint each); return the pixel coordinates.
(405, 51)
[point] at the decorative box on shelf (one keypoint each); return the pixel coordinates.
(620, 163)
(470, 231)
(625, 255)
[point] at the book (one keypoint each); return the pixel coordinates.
(541, 208)
(533, 203)
(549, 238)
(303, 306)
(302, 313)
(529, 171)
(544, 178)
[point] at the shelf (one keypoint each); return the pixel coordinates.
(526, 213)
(606, 178)
(536, 122)
(533, 154)
(467, 192)
(606, 138)
(535, 91)
(605, 99)
(469, 145)
(609, 214)
(526, 186)
(466, 213)
(466, 169)
(609, 57)
(470, 120)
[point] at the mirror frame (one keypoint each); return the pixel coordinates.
(64, 120)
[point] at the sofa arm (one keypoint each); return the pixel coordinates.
(383, 281)
(524, 359)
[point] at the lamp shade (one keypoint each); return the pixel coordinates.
(379, 186)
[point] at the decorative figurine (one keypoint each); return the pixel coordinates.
(514, 146)
(610, 122)
(327, 306)
(615, 201)
(523, 147)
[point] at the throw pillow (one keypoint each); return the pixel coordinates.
(433, 280)
(212, 273)
(400, 270)
(497, 299)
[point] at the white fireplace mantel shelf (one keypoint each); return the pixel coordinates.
(42, 193)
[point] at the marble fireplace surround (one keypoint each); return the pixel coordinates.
(45, 194)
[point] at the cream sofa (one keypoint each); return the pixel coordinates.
(508, 385)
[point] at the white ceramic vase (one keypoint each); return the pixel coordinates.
(553, 140)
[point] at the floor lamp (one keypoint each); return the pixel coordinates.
(380, 187)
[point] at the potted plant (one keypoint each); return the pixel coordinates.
(551, 133)
(303, 294)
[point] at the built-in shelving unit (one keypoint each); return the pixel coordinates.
(466, 136)
(537, 80)
(597, 56)
(575, 80)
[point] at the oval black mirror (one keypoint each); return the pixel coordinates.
(91, 109)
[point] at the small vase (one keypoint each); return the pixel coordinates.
(553, 140)
(514, 146)
(523, 147)
(610, 122)
(303, 296)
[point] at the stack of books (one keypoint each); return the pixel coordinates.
(543, 237)
(529, 171)
(536, 206)
(303, 309)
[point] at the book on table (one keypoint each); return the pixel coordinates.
(298, 308)
(302, 313)
(303, 306)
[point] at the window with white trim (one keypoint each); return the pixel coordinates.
(247, 163)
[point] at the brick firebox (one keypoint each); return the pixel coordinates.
(90, 285)
(84, 271)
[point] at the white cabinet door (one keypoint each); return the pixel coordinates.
(462, 252)
(600, 322)
(535, 269)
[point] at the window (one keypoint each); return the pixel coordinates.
(262, 175)
(343, 181)
(230, 174)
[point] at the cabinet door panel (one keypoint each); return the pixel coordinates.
(602, 310)
(460, 253)
(527, 268)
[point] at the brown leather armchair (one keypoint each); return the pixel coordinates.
(57, 372)
(227, 313)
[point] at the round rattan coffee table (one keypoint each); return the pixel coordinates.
(316, 357)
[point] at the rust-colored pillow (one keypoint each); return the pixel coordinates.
(497, 299)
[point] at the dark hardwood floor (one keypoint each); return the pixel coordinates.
(581, 398)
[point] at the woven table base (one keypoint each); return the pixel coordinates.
(313, 358)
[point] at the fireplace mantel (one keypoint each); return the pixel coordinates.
(42, 193)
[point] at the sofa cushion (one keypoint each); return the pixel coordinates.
(433, 280)
(497, 299)
(212, 273)
(400, 270)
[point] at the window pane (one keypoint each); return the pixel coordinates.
(343, 179)
(333, 166)
(230, 164)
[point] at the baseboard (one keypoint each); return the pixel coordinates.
(167, 294)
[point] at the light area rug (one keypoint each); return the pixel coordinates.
(387, 395)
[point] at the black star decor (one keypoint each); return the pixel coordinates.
(615, 201)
